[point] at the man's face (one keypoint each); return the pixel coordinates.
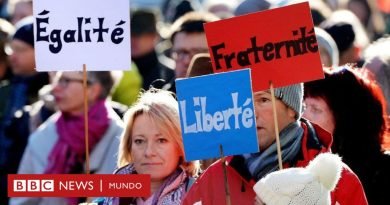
(185, 46)
(22, 58)
(142, 44)
(265, 118)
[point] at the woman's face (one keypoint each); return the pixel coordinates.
(68, 92)
(318, 111)
(152, 152)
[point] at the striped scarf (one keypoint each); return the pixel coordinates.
(171, 191)
(261, 163)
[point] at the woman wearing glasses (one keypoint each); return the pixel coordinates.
(58, 145)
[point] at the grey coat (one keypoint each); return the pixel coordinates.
(103, 157)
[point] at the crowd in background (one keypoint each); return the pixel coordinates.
(41, 122)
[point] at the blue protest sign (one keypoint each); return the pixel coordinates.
(217, 109)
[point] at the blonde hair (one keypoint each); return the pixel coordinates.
(162, 108)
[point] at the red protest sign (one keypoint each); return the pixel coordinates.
(279, 45)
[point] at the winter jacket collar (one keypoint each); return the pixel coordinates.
(314, 140)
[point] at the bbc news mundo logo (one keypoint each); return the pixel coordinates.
(22, 185)
(78, 185)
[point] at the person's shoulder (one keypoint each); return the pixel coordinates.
(45, 130)
(167, 67)
(209, 174)
(349, 180)
(213, 167)
(349, 189)
(347, 170)
(127, 169)
(43, 139)
(115, 119)
(119, 108)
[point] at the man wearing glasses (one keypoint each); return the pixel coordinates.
(188, 38)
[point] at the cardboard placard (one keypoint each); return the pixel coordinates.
(279, 45)
(71, 33)
(217, 110)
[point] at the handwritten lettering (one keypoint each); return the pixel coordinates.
(220, 120)
(299, 45)
(83, 33)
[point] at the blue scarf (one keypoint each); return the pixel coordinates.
(266, 161)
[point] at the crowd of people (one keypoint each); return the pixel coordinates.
(341, 121)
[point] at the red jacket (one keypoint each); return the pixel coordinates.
(210, 189)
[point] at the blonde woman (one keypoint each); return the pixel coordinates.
(152, 144)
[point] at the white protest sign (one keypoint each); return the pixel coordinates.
(71, 33)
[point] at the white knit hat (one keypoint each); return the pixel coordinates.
(301, 186)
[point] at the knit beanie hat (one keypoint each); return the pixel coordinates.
(292, 96)
(25, 31)
(302, 186)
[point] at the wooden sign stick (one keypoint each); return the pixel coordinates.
(276, 126)
(228, 202)
(85, 86)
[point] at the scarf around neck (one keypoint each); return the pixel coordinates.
(173, 181)
(68, 153)
(266, 161)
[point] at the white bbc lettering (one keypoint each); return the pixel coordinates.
(128, 185)
(47, 185)
(76, 185)
(19, 185)
(33, 185)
